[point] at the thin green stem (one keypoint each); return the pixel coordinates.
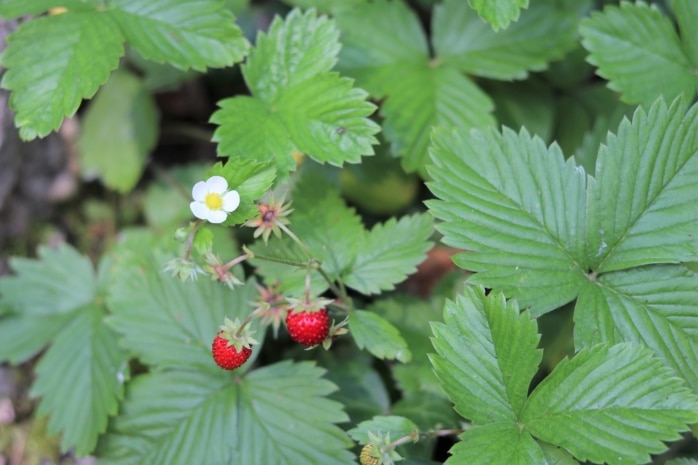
(295, 239)
(283, 261)
(190, 239)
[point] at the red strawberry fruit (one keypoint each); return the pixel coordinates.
(308, 328)
(231, 347)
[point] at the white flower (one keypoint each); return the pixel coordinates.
(212, 200)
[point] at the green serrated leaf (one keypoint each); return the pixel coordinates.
(556, 455)
(251, 179)
(380, 38)
(326, 225)
(293, 51)
(185, 33)
(24, 336)
(395, 64)
(652, 306)
(378, 336)
(620, 393)
(119, 129)
(54, 62)
(166, 322)
(686, 12)
(498, 13)
(496, 444)
(518, 207)
(648, 218)
(489, 382)
(392, 425)
(422, 97)
(638, 50)
(389, 253)
(85, 352)
(59, 281)
(298, 106)
(276, 415)
(11, 9)
(544, 32)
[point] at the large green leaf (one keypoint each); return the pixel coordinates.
(276, 415)
(185, 33)
(298, 106)
(389, 253)
(488, 382)
(638, 50)
(54, 62)
(654, 306)
(650, 216)
(544, 32)
(166, 322)
(499, 13)
(86, 353)
(60, 281)
(385, 49)
(11, 9)
(686, 12)
(422, 97)
(53, 300)
(517, 207)
(118, 131)
(619, 403)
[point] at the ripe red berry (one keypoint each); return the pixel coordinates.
(308, 328)
(228, 357)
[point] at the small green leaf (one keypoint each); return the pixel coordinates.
(251, 179)
(85, 352)
(54, 62)
(496, 444)
(378, 336)
(620, 393)
(166, 322)
(544, 32)
(11, 9)
(556, 455)
(119, 130)
(488, 382)
(412, 318)
(648, 218)
(518, 207)
(653, 306)
(276, 415)
(185, 33)
(392, 425)
(298, 106)
(499, 13)
(637, 49)
(389, 253)
(24, 336)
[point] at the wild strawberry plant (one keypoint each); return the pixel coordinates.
(276, 328)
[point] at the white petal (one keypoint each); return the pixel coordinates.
(231, 201)
(216, 216)
(199, 191)
(217, 184)
(200, 210)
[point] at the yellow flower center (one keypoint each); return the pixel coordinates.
(214, 201)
